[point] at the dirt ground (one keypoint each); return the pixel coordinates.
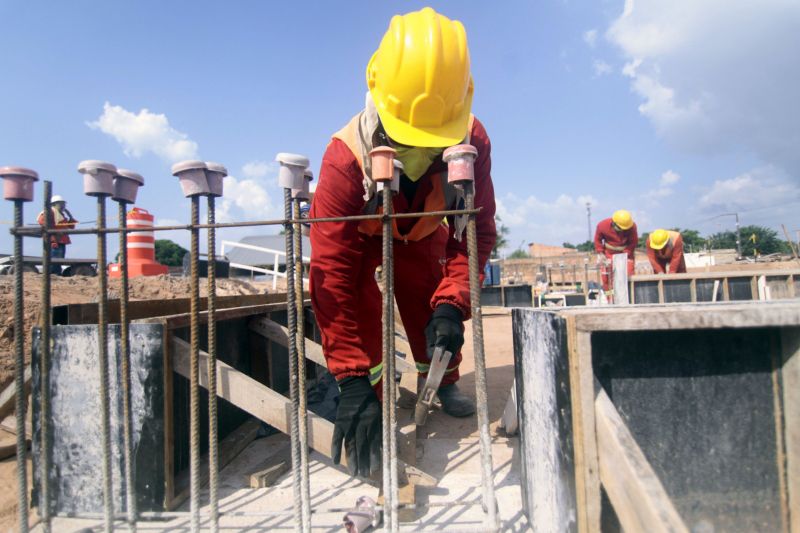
(79, 289)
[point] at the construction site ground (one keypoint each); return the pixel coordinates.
(447, 448)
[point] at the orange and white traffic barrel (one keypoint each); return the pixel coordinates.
(141, 247)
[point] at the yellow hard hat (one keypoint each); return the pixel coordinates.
(659, 239)
(623, 219)
(420, 81)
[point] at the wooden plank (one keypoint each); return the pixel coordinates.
(267, 405)
(661, 290)
(718, 275)
(9, 395)
(693, 290)
(271, 469)
(169, 424)
(184, 320)
(280, 334)
(639, 499)
(229, 447)
(726, 292)
(587, 478)
(790, 378)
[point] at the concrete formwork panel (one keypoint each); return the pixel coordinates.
(686, 416)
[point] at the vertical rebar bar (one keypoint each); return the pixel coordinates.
(390, 370)
(102, 350)
(19, 373)
(44, 363)
(301, 373)
(389, 460)
(291, 325)
(125, 368)
(213, 443)
(194, 370)
(489, 503)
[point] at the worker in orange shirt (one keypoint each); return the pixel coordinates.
(665, 248)
(61, 219)
(615, 235)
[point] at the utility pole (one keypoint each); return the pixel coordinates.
(589, 219)
(738, 235)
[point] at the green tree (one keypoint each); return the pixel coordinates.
(502, 237)
(586, 246)
(168, 253)
(519, 254)
(765, 240)
(692, 241)
(567, 245)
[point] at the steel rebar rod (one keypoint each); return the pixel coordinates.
(301, 373)
(389, 461)
(125, 368)
(291, 325)
(489, 502)
(213, 441)
(37, 231)
(44, 365)
(391, 373)
(194, 371)
(19, 374)
(102, 350)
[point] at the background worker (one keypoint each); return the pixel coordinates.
(419, 102)
(665, 249)
(62, 219)
(615, 235)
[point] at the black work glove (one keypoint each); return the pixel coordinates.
(445, 328)
(358, 423)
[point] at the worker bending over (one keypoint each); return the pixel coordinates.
(419, 101)
(615, 235)
(61, 219)
(665, 249)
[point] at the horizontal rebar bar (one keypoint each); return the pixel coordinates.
(36, 231)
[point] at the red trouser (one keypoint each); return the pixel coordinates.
(417, 273)
(605, 269)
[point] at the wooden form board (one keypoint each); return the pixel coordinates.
(624, 452)
(715, 286)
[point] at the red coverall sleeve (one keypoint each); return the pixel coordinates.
(677, 255)
(598, 240)
(654, 262)
(633, 242)
(454, 287)
(336, 253)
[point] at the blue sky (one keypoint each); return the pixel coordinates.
(678, 111)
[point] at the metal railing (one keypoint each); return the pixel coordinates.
(275, 272)
(302, 509)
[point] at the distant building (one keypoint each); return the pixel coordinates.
(545, 250)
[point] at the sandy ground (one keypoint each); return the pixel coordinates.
(448, 449)
(81, 289)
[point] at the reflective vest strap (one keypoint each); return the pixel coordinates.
(614, 248)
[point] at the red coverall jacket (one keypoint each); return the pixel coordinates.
(428, 271)
(607, 241)
(671, 254)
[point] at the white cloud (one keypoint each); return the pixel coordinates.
(258, 169)
(669, 178)
(142, 132)
(601, 68)
(535, 220)
(716, 75)
(764, 187)
(246, 199)
(590, 37)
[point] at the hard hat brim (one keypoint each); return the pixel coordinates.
(448, 134)
(656, 247)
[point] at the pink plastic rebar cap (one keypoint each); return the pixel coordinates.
(18, 183)
(290, 175)
(382, 163)
(460, 161)
(304, 193)
(192, 176)
(215, 173)
(126, 185)
(98, 177)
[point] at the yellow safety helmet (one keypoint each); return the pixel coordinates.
(659, 239)
(420, 80)
(623, 219)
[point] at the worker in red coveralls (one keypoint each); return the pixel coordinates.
(615, 235)
(419, 102)
(665, 249)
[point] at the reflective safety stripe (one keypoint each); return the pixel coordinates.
(375, 374)
(423, 368)
(615, 248)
